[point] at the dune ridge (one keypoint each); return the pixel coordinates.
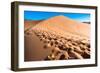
(64, 24)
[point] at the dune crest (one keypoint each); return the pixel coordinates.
(65, 26)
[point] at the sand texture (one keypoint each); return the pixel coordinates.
(57, 38)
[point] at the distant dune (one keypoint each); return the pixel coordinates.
(63, 37)
(30, 23)
(87, 22)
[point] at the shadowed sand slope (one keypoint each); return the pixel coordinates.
(61, 37)
(34, 48)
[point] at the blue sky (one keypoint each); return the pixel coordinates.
(37, 15)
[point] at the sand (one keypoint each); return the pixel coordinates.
(29, 23)
(57, 38)
(34, 48)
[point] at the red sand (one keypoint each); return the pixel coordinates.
(60, 27)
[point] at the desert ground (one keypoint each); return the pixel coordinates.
(57, 38)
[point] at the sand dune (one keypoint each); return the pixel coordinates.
(29, 23)
(64, 24)
(63, 37)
